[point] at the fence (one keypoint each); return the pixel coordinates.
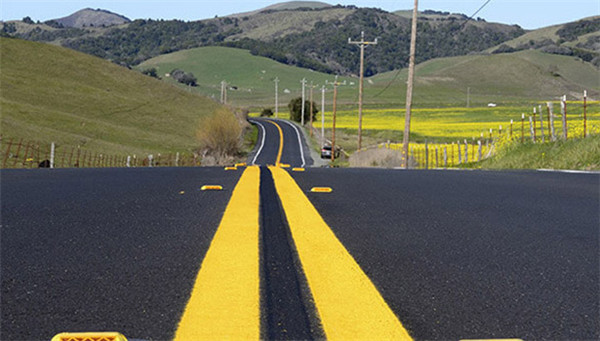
(30, 154)
(543, 125)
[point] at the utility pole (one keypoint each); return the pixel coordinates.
(468, 97)
(409, 88)
(223, 92)
(322, 116)
(336, 83)
(310, 112)
(303, 81)
(276, 98)
(362, 43)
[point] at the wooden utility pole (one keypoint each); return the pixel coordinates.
(584, 113)
(362, 43)
(310, 112)
(303, 81)
(276, 98)
(336, 83)
(322, 116)
(223, 92)
(409, 88)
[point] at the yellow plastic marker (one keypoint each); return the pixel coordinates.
(321, 189)
(284, 165)
(241, 164)
(298, 169)
(211, 188)
(181, 192)
(225, 301)
(348, 304)
(491, 340)
(231, 168)
(88, 336)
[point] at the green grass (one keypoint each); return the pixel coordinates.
(509, 79)
(579, 154)
(54, 94)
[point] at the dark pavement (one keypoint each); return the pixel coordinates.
(104, 249)
(473, 254)
(295, 152)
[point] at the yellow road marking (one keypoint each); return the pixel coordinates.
(231, 168)
(211, 188)
(225, 302)
(321, 189)
(297, 169)
(278, 160)
(284, 165)
(241, 164)
(113, 336)
(349, 305)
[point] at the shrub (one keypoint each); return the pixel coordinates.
(295, 107)
(266, 112)
(219, 134)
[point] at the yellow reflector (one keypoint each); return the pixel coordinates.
(241, 164)
(231, 168)
(321, 189)
(211, 188)
(90, 336)
(284, 165)
(298, 169)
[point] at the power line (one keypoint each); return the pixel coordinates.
(399, 70)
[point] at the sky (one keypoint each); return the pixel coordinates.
(529, 14)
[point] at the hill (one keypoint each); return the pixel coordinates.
(519, 77)
(309, 37)
(92, 17)
(50, 93)
(579, 38)
(250, 78)
(290, 5)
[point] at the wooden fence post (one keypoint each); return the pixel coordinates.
(542, 123)
(563, 104)
(7, 153)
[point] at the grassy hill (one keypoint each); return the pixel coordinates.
(50, 93)
(519, 77)
(252, 76)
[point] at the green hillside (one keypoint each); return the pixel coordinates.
(519, 77)
(50, 93)
(252, 76)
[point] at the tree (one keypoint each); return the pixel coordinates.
(185, 78)
(295, 107)
(28, 20)
(150, 72)
(266, 112)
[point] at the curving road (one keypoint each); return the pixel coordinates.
(437, 255)
(275, 134)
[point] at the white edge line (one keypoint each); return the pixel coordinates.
(262, 142)
(568, 171)
(299, 142)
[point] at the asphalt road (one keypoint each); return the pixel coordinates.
(454, 254)
(104, 249)
(295, 151)
(473, 254)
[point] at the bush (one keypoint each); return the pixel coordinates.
(295, 107)
(219, 134)
(150, 72)
(266, 112)
(185, 78)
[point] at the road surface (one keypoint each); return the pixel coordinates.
(427, 255)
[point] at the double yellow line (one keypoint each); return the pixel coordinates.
(225, 300)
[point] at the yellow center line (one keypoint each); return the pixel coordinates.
(348, 303)
(280, 143)
(225, 301)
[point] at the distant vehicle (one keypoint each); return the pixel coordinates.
(326, 152)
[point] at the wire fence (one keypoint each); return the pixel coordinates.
(543, 125)
(20, 153)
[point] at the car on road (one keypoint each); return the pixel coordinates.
(326, 152)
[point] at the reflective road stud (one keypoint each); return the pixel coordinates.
(89, 336)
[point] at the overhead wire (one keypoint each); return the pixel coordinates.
(400, 69)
